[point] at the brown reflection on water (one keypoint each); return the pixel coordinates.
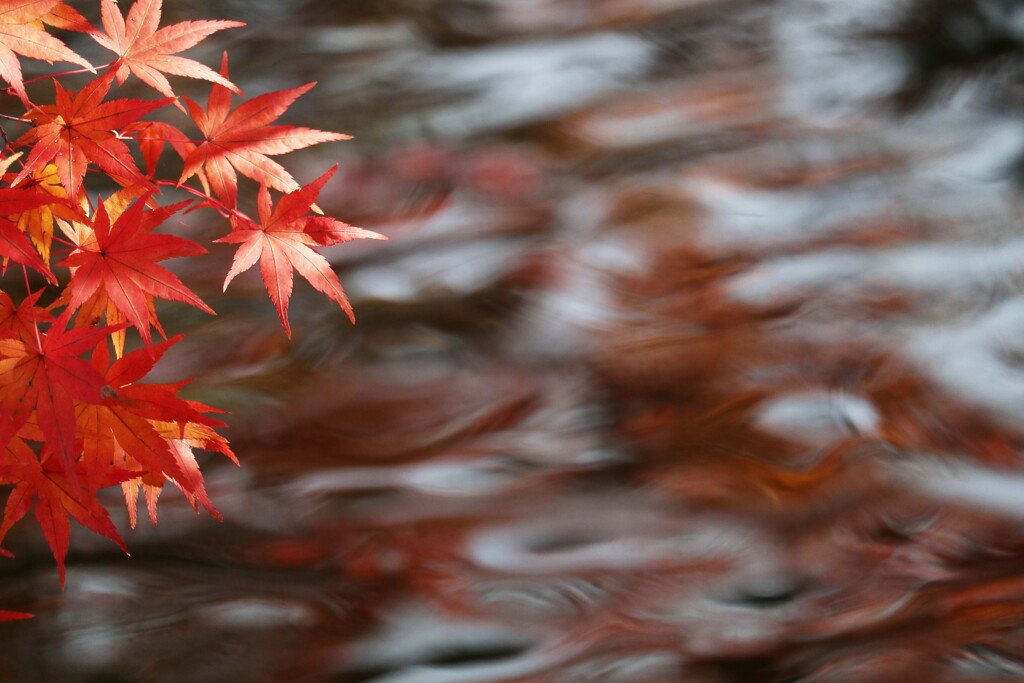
(687, 360)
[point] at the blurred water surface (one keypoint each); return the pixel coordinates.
(696, 354)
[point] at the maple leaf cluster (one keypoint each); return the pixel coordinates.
(75, 416)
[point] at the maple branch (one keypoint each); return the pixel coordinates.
(70, 426)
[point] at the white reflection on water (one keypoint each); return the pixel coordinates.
(501, 86)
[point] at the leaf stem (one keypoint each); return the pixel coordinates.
(32, 309)
(214, 203)
(68, 73)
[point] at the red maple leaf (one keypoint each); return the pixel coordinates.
(145, 428)
(42, 484)
(21, 32)
(65, 17)
(13, 243)
(242, 140)
(21, 320)
(286, 238)
(80, 128)
(146, 52)
(152, 136)
(119, 260)
(10, 616)
(42, 373)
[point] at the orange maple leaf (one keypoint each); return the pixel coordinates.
(146, 52)
(285, 239)
(21, 33)
(65, 17)
(242, 140)
(37, 222)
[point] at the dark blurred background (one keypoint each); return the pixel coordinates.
(696, 354)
